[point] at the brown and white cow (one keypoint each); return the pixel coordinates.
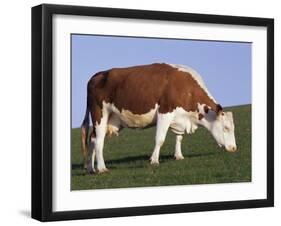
(170, 96)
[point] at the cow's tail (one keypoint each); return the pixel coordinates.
(84, 135)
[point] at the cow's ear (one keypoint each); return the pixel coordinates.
(206, 109)
(219, 109)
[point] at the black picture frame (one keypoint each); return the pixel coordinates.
(42, 111)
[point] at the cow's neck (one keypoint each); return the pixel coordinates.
(207, 101)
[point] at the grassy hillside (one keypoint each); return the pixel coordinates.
(127, 158)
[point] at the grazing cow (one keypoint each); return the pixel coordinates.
(170, 96)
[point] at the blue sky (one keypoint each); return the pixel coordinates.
(224, 66)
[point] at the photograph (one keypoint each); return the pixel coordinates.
(149, 111)
(140, 112)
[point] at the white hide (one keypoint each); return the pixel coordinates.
(200, 108)
(162, 126)
(222, 128)
(98, 142)
(182, 121)
(178, 153)
(195, 75)
(126, 118)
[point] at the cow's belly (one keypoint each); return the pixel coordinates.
(128, 119)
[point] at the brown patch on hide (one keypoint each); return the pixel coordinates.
(200, 116)
(137, 89)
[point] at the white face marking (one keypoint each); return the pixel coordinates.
(222, 129)
(127, 119)
(195, 76)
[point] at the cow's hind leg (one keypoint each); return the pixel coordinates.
(90, 165)
(99, 141)
(163, 124)
(178, 153)
(99, 119)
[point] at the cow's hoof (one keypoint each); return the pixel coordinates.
(91, 171)
(154, 162)
(180, 157)
(103, 170)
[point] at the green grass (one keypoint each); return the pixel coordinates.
(127, 158)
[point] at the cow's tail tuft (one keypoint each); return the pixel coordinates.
(84, 135)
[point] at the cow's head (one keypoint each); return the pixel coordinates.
(221, 126)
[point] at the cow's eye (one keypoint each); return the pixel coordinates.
(226, 129)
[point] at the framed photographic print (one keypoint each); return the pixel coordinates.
(145, 112)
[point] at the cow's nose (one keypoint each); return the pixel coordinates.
(231, 148)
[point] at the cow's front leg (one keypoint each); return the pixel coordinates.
(178, 153)
(163, 124)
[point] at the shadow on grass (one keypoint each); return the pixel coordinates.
(78, 166)
(127, 160)
(194, 155)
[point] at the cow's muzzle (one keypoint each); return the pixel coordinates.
(231, 148)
